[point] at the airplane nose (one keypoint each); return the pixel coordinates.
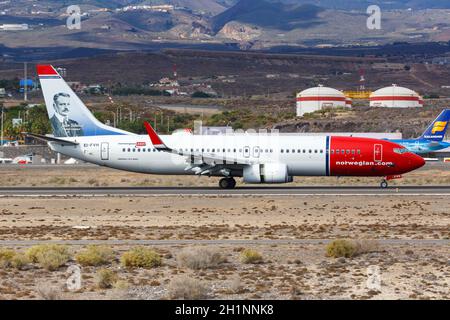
(416, 161)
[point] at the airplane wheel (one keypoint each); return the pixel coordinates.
(227, 183)
(384, 184)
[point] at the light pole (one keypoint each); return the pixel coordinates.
(1, 136)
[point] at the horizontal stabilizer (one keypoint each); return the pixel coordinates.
(50, 139)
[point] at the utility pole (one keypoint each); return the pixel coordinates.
(25, 85)
(168, 124)
(1, 136)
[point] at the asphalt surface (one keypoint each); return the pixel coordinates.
(239, 191)
(243, 242)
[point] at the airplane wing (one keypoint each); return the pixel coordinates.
(200, 163)
(50, 139)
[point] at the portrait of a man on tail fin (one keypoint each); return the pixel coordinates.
(61, 124)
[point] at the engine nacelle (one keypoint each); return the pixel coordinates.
(266, 173)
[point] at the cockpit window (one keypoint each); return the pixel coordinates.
(400, 150)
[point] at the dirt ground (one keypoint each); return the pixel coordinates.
(303, 271)
(417, 271)
(288, 272)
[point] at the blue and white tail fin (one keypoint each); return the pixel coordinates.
(68, 115)
(436, 130)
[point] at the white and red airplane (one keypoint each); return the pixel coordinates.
(256, 158)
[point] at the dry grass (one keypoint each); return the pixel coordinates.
(49, 256)
(47, 292)
(140, 257)
(349, 248)
(250, 256)
(106, 278)
(200, 258)
(95, 256)
(186, 288)
(6, 257)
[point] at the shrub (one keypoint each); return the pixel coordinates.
(49, 293)
(48, 256)
(6, 257)
(341, 248)
(141, 257)
(183, 287)
(95, 256)
(106, 278)
(200, 258)
(251, 256)
(19, 261)
(350, 248)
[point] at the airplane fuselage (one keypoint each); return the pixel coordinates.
(421, 146)
(302, 155)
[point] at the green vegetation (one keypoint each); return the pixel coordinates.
(6, 257)
(127, 91)
(35, 120)
(140, 257)
(95, 256)
(349, 248)
(250, 256)
(341, 248)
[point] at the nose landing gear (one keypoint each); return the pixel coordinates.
(384, 184)
(227, 183)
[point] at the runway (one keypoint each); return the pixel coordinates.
(215, 191)
(236, 242)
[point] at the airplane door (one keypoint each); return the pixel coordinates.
(246, 152)
(104, 148)
(378, 152)
(256, 152)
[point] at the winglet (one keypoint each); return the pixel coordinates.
(155, 139)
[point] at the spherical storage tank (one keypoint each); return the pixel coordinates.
(317, 98)
(395, 97)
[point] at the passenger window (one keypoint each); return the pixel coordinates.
(332, 151)
(287, 150)
(310, 151)
(321, 151)
(315, 151)
(282, 150)
(123, 150)
(293, 150)
(139, 150)
(348, 151)
(134, 150)
(343, 151)
(353, 151)
(359, 151)
(337, 151)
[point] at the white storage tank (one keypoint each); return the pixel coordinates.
(395, 97)
(317, 98)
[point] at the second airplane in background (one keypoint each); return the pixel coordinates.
(432, 139)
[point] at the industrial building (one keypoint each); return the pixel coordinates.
(318, 98)
(395, 97)
(14, 27)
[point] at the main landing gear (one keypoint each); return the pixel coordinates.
(227, 183)
(384, 184)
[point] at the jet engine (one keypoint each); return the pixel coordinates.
(266, 173)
